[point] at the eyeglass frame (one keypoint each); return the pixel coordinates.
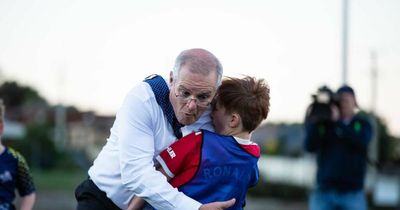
(191, 97)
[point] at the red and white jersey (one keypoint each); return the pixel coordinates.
(209, 167)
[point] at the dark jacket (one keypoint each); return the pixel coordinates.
(341, 150)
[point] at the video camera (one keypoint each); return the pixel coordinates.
(320, 110)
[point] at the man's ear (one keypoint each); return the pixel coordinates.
(1, 127)
(171, 77)
(236, 120)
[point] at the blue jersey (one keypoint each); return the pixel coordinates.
(14, 174)
(210, 167)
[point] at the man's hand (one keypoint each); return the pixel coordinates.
(218, 205)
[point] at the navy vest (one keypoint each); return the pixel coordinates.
(161, 92)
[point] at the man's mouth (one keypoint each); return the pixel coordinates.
(188, 114)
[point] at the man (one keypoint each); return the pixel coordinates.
(146, 124)
(341, 148)
(191, 164)
(14, 175)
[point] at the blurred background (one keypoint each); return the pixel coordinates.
(66, 65)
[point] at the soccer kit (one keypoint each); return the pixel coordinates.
(210, 167)
(14, 174)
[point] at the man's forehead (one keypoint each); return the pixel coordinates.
(190, 88)
(346, 95)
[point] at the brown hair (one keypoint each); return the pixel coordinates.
(248, 97)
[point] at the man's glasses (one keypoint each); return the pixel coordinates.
(185, 96)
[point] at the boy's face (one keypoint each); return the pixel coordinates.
(220, 119)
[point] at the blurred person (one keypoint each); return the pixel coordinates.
(341, 146)
(14, 175)
(191, 163)
(152, 116)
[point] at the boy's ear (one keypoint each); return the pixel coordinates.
(236, 120)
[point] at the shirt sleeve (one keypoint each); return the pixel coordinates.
(181, 160)
(135, 126)
(24, 181)
(312, 137)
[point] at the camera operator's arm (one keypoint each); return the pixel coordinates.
(317, 131)
(358, 134)
(313, 136)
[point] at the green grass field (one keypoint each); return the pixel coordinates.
(55, 189)
(58, 180)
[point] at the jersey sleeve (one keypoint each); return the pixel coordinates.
(181, 160)
(24, 181)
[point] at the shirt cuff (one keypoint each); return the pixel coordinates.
(188, 203)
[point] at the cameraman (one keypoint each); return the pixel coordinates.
(341, 148)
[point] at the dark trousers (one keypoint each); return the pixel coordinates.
(90, 197)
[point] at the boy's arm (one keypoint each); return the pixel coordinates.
(24, 183)
(28, 201)
(169, 159)
(160, 169)
(137, 203)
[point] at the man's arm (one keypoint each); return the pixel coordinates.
(135, 127)
(312, 138)
(316, 131)
(209, 206)
(175, 161)
(138, 203)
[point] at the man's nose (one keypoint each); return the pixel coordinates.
(192, 104)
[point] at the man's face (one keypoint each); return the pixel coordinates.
(191, 94)
(347, 103)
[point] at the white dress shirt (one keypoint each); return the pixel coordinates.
(125, 165)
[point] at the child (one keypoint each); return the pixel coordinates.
(211, 167)
(14, 174)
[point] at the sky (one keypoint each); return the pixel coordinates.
(90, 53)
